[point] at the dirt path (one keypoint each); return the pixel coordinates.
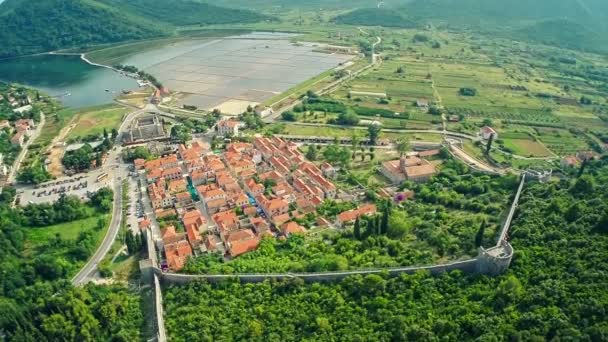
(56, 150)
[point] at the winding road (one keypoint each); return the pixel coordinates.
(90, 267)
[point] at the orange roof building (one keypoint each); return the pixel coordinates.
(177, 248)
(177, 185)
(194, 235)
(292, 228)
(352, 215)
(177, 254)
(194, 217)
(241, 242)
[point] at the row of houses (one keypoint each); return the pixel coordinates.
(20, 129)
(18, 100)
(248, 192)
(229, 187)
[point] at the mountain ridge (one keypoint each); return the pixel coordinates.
(47, 25)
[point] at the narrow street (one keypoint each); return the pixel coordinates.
(17, 164)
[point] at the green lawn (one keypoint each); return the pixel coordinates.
(125, 267)
(93, 120)
(37, 236)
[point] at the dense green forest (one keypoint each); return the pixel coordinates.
(56, 311)
(438, 225)
(37, 302)
(45, 25)
(185, 12)
(291, 4)
(556, 289)
(375, 17)
(48, 25)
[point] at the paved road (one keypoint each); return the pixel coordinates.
(392, 130)
(91, 266)
(17, 164)
(374, 55)
(467, 159)
(84, 275)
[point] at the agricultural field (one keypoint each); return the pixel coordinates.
(561, 141)
(392, 86)
(532, 94)
(523, 144)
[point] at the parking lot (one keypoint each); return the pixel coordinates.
(135, 209)
(78, 185)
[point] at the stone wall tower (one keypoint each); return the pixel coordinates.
(495, 260)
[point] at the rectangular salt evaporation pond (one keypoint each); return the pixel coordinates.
(234, 72)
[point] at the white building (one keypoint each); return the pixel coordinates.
(23, 109)
(3, 169)
(486, 132)
(229, 128)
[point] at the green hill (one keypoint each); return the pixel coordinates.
(184, 12)
(374, 17)
(44, 25)
(563, 33)
(576, 24)
(513, 13)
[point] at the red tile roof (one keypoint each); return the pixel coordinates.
(242, 241)
(292, 228)
(351, 215)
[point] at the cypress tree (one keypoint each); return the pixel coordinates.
(385, 217)
(357, 229)
(371, 227)
(129, 241)
(378, 224)
(480, 233)
(581, 170)
(489, 146)
(140, 242)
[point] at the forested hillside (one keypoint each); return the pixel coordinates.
(37, 301)
(186, 12)
(375, 17)
(498, 12)
(45, 25)
(555, 290)
(581, 25)
(289, 4)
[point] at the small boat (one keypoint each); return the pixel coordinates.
(107, 90)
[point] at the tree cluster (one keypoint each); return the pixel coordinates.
(467, 91)
(555, 288)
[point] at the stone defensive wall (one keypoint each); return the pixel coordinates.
(469, 266)
(492, 261)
